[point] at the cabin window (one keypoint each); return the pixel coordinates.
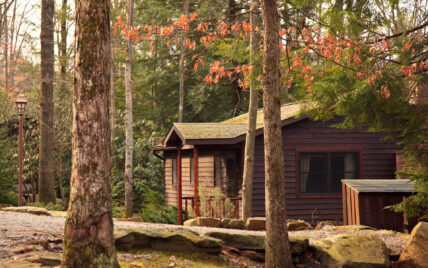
(217, 171)
(321, 172)
(174, 171)
(230, 162)
(192, 168)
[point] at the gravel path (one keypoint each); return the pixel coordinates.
(18, 228)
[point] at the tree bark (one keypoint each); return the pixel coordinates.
(114, 43)
(247, 183)
(128, 115)
(6, 50)
(277, 244)
(182, 58)
(46, 154)
(88, 240)
(63, 45)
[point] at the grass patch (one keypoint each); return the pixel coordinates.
(152, 258)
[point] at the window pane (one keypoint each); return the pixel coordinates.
(322, 172)
(343, 166)
(337, 172)
(217, 171)
(192, 169)
(174, 171)
(313, 173)
(231, 177)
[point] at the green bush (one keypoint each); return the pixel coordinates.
(160, 214)
(118, 211)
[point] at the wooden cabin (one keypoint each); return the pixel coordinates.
(316, 158)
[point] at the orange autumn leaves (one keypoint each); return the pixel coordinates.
(297, 50)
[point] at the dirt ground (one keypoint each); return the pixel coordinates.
(23, 228)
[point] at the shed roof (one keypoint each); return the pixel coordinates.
(228, 129)
(381, 186)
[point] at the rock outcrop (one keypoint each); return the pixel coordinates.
(27, 209)
(208, 222)
(34, 259)
(415, 253)
(256, 224)
(321, 224)
(190, 222)
(235, 224)
(351, 251)
(298, 225)
(178, 241)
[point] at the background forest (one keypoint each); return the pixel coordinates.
(330, 82)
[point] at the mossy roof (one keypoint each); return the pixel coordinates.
(232, 127)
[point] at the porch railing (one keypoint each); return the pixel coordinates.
(213, 210)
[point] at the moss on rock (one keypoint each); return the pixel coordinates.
(351, 251)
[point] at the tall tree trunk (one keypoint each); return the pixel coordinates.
(247, 183)
(114, 43)
(46, 153)
(6, 50)
(182, 58)
(63, 60)
(63, 46)
(88, 240)
(128, 115)
(277, 245)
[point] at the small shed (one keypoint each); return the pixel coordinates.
(364, 202)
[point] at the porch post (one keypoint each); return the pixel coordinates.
(196, 180)
(179, 203)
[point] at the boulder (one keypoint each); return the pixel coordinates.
(298, 245)
(415, 253)
(208, 222)
(253, 255)
(351, 251)
(27, 209)
(27, 248)
(58, 213)
(245, 241)
(224, 222)
(181, 240)
(236, 224)
(256, 224)
(20, 264)
(298, 225)
(44, 258)
(239, 240)
(321, 224)
(349, 228)
(190, 222)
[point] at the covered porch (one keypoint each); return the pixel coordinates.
(196, 169)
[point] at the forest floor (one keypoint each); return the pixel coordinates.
(17, 229)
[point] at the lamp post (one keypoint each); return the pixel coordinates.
(21, 101)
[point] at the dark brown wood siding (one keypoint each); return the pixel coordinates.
(377, 161)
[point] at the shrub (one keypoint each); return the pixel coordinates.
(48, 206)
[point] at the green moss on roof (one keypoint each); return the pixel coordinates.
(194, 131)
(232, 127)
(287, 111)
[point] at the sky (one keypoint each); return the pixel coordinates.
(31, 9)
